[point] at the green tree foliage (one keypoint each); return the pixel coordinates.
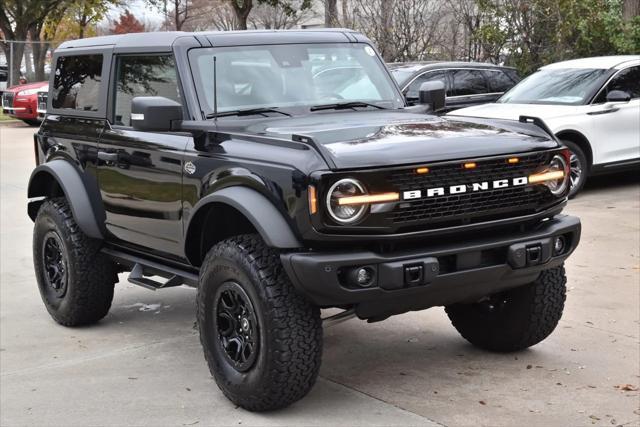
(530, 33)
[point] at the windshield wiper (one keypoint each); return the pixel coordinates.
(345, 105)
(248, 112)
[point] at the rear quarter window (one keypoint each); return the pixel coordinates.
(77, 82)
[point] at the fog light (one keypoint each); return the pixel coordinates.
(558, 245)
(362, 277)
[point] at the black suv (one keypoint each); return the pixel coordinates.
(281, 172)
(466, 83)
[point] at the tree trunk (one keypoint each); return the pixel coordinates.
(630, 9)
(346, 19)
(242, 12)
(386, 12)
(176, 12)
(16, 61)
(330, 13)
(28, 62)
(39, 57)
(39, 51)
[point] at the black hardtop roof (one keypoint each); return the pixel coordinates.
(166, 39)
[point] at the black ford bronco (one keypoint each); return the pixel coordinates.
(281, 172)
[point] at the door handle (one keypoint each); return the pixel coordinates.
(607, 111)
(107, 157)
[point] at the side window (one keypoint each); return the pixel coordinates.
(468, 82)
(76, 84)
(152, 75)
(429, 76)
(498, 80)
(627, 80)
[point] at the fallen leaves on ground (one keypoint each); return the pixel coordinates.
(626, 387)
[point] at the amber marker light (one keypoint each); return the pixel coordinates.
(313, 199)
(422, 170)
(513, 160)
(369, 199)
(546, 176)
(471, 165)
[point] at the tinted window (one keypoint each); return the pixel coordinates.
(429, 76)
(499, 81)
(468, 82)
(627, 80)
(76, 84)
(153, 75)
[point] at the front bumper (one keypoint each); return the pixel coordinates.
(437, 274)
(23, 107)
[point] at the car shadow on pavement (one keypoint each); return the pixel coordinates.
(614, 181)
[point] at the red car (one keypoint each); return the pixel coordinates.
(21, 102)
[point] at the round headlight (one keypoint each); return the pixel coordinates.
(557, 187)
(345, 214)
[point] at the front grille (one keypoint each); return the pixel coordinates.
(470, 207)
(7, 100)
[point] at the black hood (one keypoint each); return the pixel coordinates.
(363, 139)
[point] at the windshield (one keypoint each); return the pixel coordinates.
(402, 75)
(280, 76)
(570, 86)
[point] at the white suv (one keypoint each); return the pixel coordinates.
(591, 104)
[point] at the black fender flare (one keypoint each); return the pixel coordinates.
(259, 210)
(71, 183)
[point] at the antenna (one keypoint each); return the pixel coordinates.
(215, 92)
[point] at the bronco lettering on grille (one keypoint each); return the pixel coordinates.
(465, 188)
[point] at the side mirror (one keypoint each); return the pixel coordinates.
(618, 96)
(154, 113)
(432, 94)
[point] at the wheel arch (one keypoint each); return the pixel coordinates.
(579, 139)
(232, 211)
(60, 178)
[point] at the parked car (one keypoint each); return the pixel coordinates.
(467, 83)
(592, 105)
(279, 181)
(21, 102)
(4, 77)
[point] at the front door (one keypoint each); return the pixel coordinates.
(616, 125)
(140, 173)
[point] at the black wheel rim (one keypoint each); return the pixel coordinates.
(236, 326)
(576, 170)
(55, 265)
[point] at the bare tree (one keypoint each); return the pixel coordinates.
(211, 15)
(403, 29)
(242, 9)
(330, 13)
(277, 17)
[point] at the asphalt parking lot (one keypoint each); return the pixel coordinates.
(143, 364)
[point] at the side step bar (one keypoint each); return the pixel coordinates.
(141, 267)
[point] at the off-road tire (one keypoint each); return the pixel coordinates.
(91, 275)
(290, 329)
(584, 163)
(529, 314)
